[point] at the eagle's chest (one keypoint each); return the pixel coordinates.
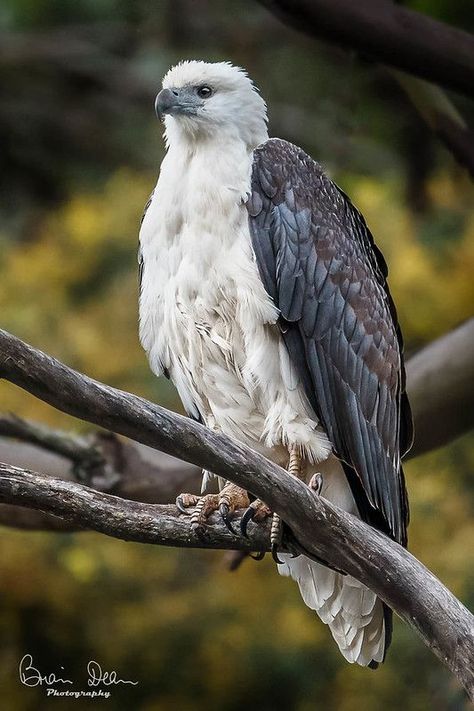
(207, 321)
(203, 308)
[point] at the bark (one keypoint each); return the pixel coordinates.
(318, 528)
(79, 507)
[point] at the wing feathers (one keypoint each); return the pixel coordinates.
(318, 261)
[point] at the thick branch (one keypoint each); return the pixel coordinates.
(319, 527)
(440, 384)
(88, 509)
(388, 33)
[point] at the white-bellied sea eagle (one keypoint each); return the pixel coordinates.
(264, 298)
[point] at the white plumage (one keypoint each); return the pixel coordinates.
(206, 319)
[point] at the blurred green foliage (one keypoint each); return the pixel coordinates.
(80, 151)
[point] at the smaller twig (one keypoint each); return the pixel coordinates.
(75, 448)
(88, 460)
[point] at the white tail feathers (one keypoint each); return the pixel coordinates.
(354, 614)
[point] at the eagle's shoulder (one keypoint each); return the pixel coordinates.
(284, 174)
(284, 156)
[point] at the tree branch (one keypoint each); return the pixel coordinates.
(440, 385)
(388, 33)
(319, 528)
(72, 447)
(88, 509)
(442, 117)
(140, 473)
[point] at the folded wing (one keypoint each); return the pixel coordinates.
(318, 261)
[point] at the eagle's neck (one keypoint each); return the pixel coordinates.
(201, 180)
(189, 135)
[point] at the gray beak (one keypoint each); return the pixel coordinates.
(166, 102)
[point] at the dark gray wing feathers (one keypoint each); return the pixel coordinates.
(318, 261)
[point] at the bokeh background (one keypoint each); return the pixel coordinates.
(80, 150)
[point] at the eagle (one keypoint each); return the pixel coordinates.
(265, 300)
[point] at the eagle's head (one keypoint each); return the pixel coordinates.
(202, 101)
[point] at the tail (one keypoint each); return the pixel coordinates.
(359, 621)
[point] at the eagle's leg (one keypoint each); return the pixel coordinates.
(276, 531)
(258, 511)
(231, 498)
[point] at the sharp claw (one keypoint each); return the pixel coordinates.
(316, 483)
(244, 521)
(180, 506)
(275, 554)
(257, 556)
(224, 512)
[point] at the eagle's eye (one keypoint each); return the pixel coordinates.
(204, 91)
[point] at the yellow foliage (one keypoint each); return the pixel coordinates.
(433, 289)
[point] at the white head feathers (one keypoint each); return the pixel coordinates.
(213, 101)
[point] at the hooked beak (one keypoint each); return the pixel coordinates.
(167, 102)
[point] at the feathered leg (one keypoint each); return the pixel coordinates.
(276, 532)
(258, 511)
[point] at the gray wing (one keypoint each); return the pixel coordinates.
(318, 262)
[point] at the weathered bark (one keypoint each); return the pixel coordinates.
(79, 507)
(318, 528)
(387, 33)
